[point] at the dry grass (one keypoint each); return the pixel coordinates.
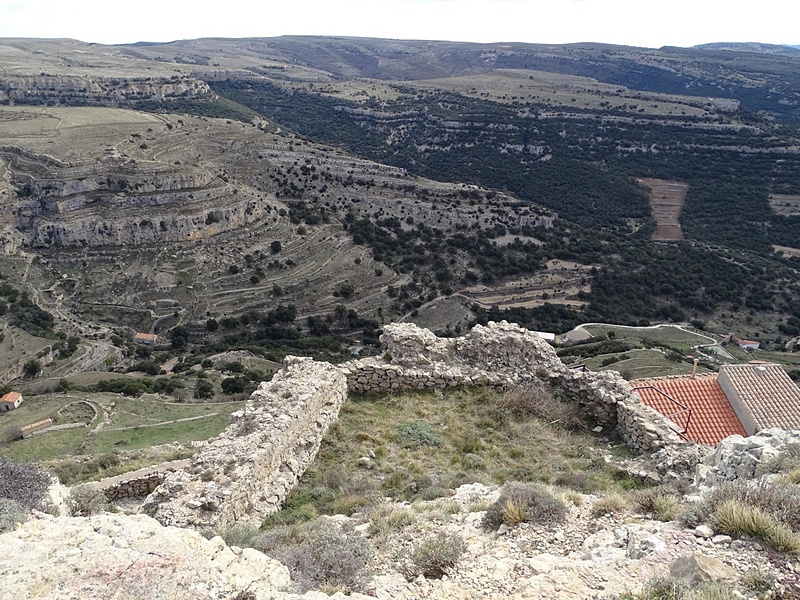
(660, 503)
(483, 436)
(611, 503)
(529, 503)
(736, 518)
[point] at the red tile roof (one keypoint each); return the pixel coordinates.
(765, 392)
(11, 397)
(711, 419)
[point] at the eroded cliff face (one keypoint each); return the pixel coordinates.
(100, 91)
(118, 202)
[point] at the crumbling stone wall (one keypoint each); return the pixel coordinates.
(502, 355)
(244, 474)
(135, 488)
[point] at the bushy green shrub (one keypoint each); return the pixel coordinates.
(24, 483)
(418, 433)
(527, 502)
(436, 555)
(11, 513)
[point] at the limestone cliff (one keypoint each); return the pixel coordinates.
(120, 202)
(99, 91)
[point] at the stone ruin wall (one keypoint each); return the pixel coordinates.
(244, 474)
(135, 488)
(503, 355)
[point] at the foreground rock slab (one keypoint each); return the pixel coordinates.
(129, 557)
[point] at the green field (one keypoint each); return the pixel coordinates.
(672, 336)
(18, 346)
(643, 364)
(125, 424)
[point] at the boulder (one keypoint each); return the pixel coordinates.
(697, 568)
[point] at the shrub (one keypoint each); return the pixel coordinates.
(534, 501)
(436, 555)
(24, 483)
(780, 500)
(536, 399)
(757, 580)
(318, 554)
(11, 513)
(240, 535)
(418, 433)
(664, 588)
(609, 504)
(386, 518)
(86, 500)
(662, 504)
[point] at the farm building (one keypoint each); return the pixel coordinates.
(10, 401)
(747, 344)
(741, 399)
(148, 339)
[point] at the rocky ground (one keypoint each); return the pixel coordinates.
(584, 557)
(132, 556)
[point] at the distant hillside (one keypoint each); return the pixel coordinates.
(783, 50)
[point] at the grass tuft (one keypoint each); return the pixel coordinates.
(736, 518)
(611, 503)
(521, 502)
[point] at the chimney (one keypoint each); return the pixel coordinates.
(694, 368)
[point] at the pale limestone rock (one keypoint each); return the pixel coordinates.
(698, 567)
(129, 558)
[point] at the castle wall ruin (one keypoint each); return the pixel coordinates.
(244, 474)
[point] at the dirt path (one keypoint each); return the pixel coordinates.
(165, 422)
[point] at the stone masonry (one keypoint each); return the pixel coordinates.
(244, 474)
(502, 355)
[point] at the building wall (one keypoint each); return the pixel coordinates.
(744, 415)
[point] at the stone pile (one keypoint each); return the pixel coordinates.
(737, 457)
(244, 474)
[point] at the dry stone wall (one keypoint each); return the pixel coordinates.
(502, 355)
(244, 474)
(135, 488)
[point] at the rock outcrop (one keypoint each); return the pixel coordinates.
(120, 203)
(244, 474)
(737, 457)
(130, 557)
(100, 91)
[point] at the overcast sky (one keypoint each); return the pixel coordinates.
(650, 23)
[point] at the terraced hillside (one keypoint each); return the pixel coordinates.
(152, 219)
